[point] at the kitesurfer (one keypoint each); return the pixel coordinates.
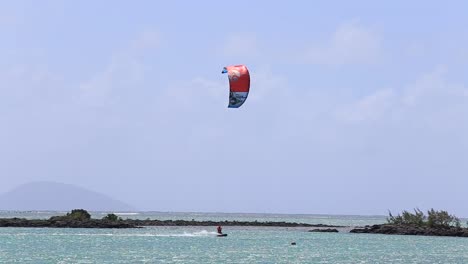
(220, 230)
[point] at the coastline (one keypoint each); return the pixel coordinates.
(383, 229)
(390, 229)
(137, 223)
(80, 218)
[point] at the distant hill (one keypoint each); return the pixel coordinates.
(58, 196)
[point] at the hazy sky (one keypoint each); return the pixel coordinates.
(356, 107)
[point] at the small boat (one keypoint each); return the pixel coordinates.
(221, 235)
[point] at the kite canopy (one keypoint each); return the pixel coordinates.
(239, 84)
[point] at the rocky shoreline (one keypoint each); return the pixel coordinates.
(57, 222)
(438, 223)
(387, 229)
(91, 223)
(138, 222)
(325, 230)
(391, 229)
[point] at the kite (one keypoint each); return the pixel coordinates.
(239, 84)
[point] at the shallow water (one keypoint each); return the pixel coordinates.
(242, 245)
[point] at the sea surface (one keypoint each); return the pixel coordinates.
(242, 245)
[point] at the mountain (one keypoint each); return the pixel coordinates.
(58, 196)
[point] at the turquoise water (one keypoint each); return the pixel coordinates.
(242, 245)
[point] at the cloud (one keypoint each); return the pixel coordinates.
(7, 20)
(26, 85)
(429, 96)
(371, 107)
(148, 40)
(241, 44)
(351, 43)
(124, 72)
(433, 87)
(197, 94)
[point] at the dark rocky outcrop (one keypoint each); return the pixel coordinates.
(78, 219)
(326, 230)
(435, 223)
(391, 229)
(62, 223)
(138, 222)
(330, 226)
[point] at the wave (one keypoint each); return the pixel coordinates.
(202, 233)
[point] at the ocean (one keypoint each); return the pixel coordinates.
(242, 245)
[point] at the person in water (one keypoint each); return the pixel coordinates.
(220, 230)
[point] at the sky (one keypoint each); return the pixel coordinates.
(355, 107)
